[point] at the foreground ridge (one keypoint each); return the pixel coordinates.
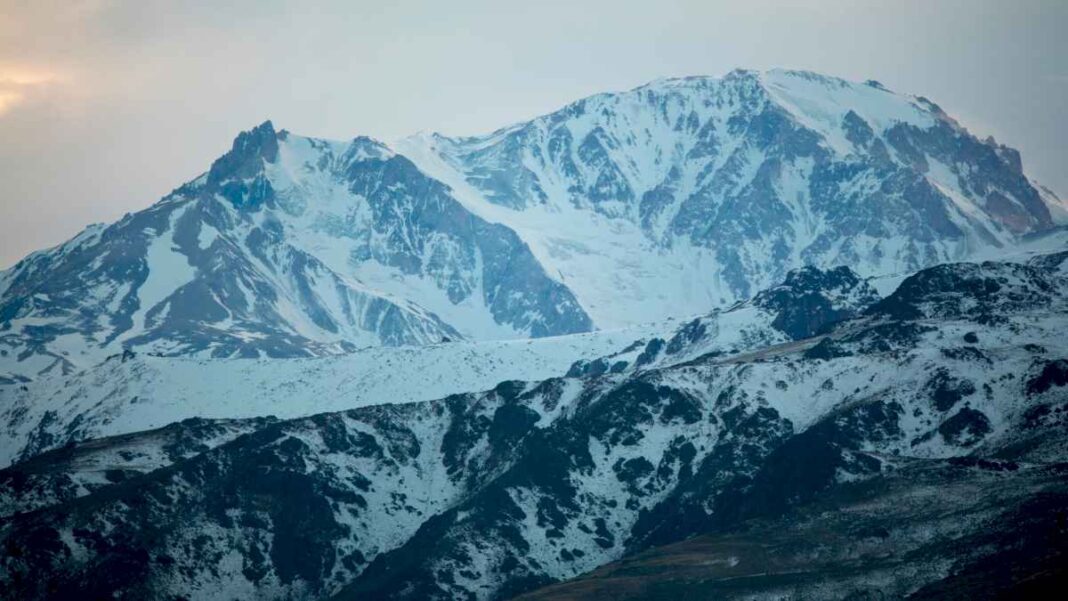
(955, 381)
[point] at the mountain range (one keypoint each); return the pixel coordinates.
(709, 337)
(669, 200)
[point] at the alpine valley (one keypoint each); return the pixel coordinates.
(771, 335)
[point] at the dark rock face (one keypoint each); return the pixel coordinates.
(1053, 374)
(244, 159)
(947, 391)
(811, 300)
(977, 291)
(238, 175)
(996, 169)
(965, 428)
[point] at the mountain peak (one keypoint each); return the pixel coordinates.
(365, 147)
(245, 158)
(262, 136)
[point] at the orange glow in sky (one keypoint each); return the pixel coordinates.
(16, 82)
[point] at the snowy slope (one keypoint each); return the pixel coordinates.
(785, 317)
(129, 393)
(687, 194)
(134, 392)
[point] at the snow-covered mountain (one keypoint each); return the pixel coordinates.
(669, 200)
(472, 367)
(957, 374)
(288, 246)
(685, 194)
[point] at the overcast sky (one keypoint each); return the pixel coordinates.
(107, 105)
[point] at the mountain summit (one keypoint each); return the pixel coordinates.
(738, 179)
(668, 200)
